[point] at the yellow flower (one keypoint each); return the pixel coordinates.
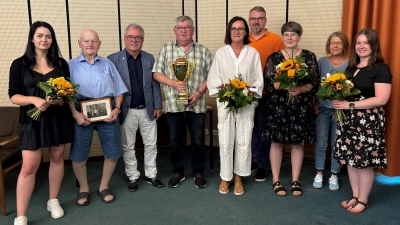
(61, 83)
(286, 65)
(335, 77)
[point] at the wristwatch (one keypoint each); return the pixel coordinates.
(352, 106)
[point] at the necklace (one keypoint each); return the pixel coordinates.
(293, 53)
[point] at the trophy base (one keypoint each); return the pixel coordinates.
(182, 101)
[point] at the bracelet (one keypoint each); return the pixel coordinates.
(117, 108)
(199, 91)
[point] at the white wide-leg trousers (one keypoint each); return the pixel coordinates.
(234, 134)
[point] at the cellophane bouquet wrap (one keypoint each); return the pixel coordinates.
(290, 74)
(236, 94)
(337, 87)
(54, 89)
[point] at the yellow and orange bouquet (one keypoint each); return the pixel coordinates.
(54, 89)
(236, 93)
(290, 73)
(337, 87)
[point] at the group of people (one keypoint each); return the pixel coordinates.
(251, 139)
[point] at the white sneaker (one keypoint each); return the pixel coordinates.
(333, 183)
(21, 220)
(54, 207)
(318, 181)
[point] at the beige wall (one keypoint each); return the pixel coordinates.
(157, 18)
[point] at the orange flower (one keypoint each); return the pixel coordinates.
(339, 87)
(297, 66)
(291, 73)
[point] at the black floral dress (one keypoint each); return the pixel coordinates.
(289, 123)
(360, 140)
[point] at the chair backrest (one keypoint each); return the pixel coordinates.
(9, 124)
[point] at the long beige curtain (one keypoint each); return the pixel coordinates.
(384, 17)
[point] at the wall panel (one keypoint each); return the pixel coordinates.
(14, 27)
(189, 7)
(156, 18)
(324, 19)
(54, 13)
(101, 16)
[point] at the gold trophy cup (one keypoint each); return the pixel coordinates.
(182, 70)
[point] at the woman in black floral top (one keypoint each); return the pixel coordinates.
(360, 141)
(289, 123)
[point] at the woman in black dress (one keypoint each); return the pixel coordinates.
(40, 62)
(360, 141)
(289, 123)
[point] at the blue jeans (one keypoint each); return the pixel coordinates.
(323, 123)
(259, 147)
(177, 128)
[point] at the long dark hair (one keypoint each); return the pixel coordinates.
(53, 55)
(228, 39)
(376, 53)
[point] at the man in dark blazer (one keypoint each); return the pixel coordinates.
(141, 106)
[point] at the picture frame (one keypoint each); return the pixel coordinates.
(96, 109)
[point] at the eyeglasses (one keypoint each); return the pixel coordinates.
(336, 43)
(184, 28)
(90, 42)
(136, 38)
(285, 35)
(240, 29)
(253, 19)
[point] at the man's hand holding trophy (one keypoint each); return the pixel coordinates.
(181, 68)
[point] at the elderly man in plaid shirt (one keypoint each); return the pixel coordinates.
(194, 113)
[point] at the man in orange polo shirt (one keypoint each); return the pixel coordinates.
(266, 43)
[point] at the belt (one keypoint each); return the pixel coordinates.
(139, 107)
(86, 99)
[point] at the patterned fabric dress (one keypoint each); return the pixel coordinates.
(288, 123)
(360, 140)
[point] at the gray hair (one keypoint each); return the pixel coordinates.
(183, 18)
(258, 9)
(136, 26)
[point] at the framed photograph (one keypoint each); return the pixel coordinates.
(97, 109)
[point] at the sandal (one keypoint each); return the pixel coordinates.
(279, 188)
(104, 193)
(238, 189)
(224, 187)
(80, 196)
(296, 187)
(347, 202)
(355, 205)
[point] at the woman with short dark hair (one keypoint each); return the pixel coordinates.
(287, 122)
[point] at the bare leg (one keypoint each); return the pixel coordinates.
(26, 179)
(276, 154)
(56, 170)
(80, 174)
(296, 157)
(276, 160)
(353, 177)
(108, 169)
(365, 179)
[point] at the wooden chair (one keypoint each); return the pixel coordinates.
(10, 156)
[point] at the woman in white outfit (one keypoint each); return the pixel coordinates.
(235, 129)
